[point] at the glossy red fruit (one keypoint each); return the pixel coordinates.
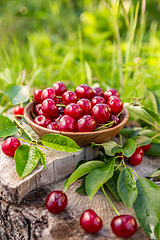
(146, 147)
(52, 126)
(85, 104)
(49, 108)
(140, 150)
(66, 124)
(86, 123)
(42, 120)
(10, 145)
(38, 96)
(17, 110)
(98, 91)
(59, 88)
(48, 93)
(38, 109)
(124, 226)
(69, 97)
(135, 159)
(114, 118)
(97, 99)
(73, 110)
(56, 202)
(90, 221)
(110, 92)
(84, 91)
(115, 104)
(101, 113)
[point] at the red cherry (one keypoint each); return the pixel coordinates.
(59, 88)
(52, 126)
(115, 104)
(110, 92)
(49, 108)
(85, 104)
(17, 110)
(135, 159)
(101, 113)
(97, 99)
(140, 150)
(115, 119)
(42, 120)
(90, 221)
(69, 97)
(124, 226)
(86, 123)
(66, 123)
(98, 91)
(38, 109)
(146, 147)
(73, 110)
(56, 202)
(38, 96)
(84, 91)
(10, 145)
(48, 93)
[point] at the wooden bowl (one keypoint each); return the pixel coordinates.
(81, 138)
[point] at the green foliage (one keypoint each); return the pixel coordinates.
(7, 127)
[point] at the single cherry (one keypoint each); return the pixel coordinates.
(86, 123)
(56, 202)
(124, 226)
(97, 99)
(66, 123)
(69, 97)
(48, 93)
(110, 92)
(85, 104)
(140, 150)
(90, 221)
(42, 120)
(10, 145)
(59, 88)
(38, 109)
(73, 110)
(52, 126)
(49, 108)
(146, 147)
(98, 91)
(101, 112)
(38, 96)
(84, 91)
(115, 104)
(135, 159)
(17, 110)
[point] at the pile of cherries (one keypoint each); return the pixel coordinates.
(84, 110)
(122, 225)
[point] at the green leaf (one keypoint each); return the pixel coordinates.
(81, 171)
(42, 158)
(154, 149)
(150, 133)
(97, 177)
(7, 127)
(82, 188)
(141, 140)
(154, 115)
(129, 147)
(109, 147)
(147, 207)
(17, 94)
(26, 159)
(112, 184)
(60, 143)
(155, 174)
(127, 187)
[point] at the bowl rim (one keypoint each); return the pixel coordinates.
(29, 119)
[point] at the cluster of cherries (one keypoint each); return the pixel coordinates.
(122, 225)
(83, 110)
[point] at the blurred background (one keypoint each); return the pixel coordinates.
(112, 43)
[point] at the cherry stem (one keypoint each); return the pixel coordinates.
(19, 125)
(110, 201)
(158, 134)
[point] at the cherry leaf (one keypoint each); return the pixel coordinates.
(42, 158)
(127, 187)
(7, 127)
(129, 147)
(17, 94)
(141, 140)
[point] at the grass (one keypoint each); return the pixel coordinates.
(101, 43)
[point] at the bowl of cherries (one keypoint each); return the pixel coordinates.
(86, 115)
